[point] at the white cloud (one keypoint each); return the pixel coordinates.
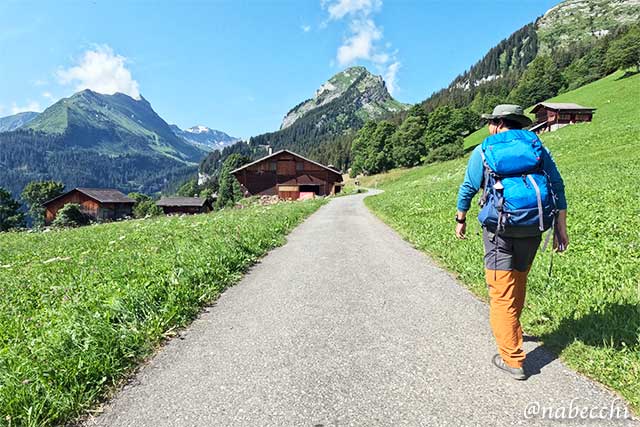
(306, 28)
(47, 95)
(341, 8)
(364, 41)
(31, 106)
(390, 76)
(103, 71)
(360, 44)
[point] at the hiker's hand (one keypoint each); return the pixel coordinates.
(560, 240)
(560, 236)
(461, 231)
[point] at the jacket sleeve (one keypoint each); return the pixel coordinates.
(472, 180)
(557, 184)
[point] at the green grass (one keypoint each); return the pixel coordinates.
(80, 308)
(476, 137)
(589, 312)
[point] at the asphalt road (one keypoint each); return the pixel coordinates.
(348, 325)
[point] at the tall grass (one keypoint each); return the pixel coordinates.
(80, 308)
(588, 312)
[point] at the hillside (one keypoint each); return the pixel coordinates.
(566, 32)
(588, 311)
(15, 121)
(96, 140)
(575, 21)
(205, 138)
(113, 125)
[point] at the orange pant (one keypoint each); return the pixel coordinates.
(507, 291)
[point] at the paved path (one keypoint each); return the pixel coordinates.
(345, 325)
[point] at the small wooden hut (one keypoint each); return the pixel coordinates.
(551, 116)
(99, 203)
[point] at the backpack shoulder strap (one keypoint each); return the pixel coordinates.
(488, 173)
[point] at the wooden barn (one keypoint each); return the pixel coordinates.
(551, 116)
(288, 175)
(184, 205)
(99, 203)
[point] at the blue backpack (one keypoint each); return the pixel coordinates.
(517, 200)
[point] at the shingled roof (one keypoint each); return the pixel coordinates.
(293, 154)
(560, 106)
(181, 202)
(102, 195)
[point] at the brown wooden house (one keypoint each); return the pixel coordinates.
(99, 203)
(551, 116)
(184, 205)
(288, 175)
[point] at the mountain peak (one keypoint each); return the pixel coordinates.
(89, 93)
(369, 90)
(198, 129)
(204, 137)
(113, 124)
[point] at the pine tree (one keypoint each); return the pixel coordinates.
(229, 190)
(10, 215)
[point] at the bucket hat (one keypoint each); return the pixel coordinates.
(510, 112)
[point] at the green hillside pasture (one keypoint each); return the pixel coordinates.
(476, 137)
(80, 308)
(589, 312)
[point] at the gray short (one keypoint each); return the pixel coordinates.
(509, 253)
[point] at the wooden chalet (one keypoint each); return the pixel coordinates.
(184, 205)
(551, 116)
(289, 176)
(104, 204)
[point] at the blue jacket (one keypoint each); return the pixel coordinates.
(475, 172)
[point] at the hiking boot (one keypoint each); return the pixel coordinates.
(516, 373)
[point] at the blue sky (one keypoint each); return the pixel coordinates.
(239, 66)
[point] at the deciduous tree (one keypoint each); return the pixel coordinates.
(540, 81)
(10, 215)
(38, 192)
(407, 144)
(625, 51)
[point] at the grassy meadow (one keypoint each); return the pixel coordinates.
(589, 311)
(80, 308)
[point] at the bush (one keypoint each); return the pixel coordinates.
(71, 215)
(146, 208)
(446, 152)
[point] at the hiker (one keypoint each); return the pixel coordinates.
(523, 196)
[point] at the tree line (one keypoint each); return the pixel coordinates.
(27, 156)
(516, 71)
(420, 138)
(435, 129)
